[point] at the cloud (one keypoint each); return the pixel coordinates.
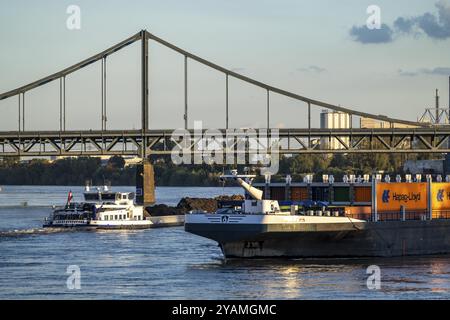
(434, 26)
(312, 68)
(439, 71)
(365, 35)
(407, 73)
(404, 24)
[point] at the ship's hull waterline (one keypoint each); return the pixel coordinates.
(316, 240)
(151, 222)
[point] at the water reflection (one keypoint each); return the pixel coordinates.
(334, 278)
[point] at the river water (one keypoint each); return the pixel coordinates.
(172, 264)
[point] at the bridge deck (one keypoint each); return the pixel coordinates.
(290, 141)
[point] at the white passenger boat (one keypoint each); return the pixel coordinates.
(102, 209)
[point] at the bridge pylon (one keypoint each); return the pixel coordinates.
(145, 183)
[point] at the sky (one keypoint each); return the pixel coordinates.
(320, 49)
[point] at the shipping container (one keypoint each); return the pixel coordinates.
(392, 196)
(341, 194)
(299, 193)
(359, 212)
(278, 193)
(440, 195)
(358, 209)
(320, 193)
(363, 194)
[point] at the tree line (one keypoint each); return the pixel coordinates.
(76, 171)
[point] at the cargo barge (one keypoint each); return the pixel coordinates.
(364, 217)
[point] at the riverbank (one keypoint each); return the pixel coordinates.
(76, 171)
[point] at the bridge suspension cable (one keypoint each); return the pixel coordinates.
(145, 36)
(281, 91)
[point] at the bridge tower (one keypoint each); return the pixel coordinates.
(145, 177)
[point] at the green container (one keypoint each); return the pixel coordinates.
(341, 194)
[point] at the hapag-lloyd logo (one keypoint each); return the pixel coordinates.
(385, 196)
(440, 195)
(406, 197)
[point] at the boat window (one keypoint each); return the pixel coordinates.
(108, 196)
(124, 196)
(131, 196)
(106, 217)
(111, 217)
(115, 217)
(91, 196)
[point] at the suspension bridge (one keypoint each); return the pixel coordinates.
(411, 137)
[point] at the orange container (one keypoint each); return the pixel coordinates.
(363, 194)
(391, 196)
(355, 210)
(440, 195)
(363, 212)
(299, 193)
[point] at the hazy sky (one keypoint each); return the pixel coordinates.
(320, 49)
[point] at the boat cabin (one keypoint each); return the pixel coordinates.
(261, 207)
(108, 197)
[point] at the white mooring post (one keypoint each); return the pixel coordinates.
(403, 213)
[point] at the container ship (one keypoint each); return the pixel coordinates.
(358, 217)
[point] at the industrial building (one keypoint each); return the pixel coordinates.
(334, 120)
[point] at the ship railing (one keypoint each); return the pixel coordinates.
(398, 216)
(441, 214)
(359, 216)
(72, 221)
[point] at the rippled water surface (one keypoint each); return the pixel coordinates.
(171, 264)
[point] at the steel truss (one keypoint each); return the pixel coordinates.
(283, 141)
